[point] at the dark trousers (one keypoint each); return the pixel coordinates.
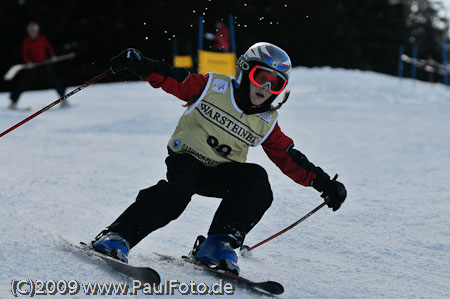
(243, 187)
(27, 77)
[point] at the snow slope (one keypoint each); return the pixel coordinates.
(68, 173)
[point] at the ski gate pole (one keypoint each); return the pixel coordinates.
(90, 82)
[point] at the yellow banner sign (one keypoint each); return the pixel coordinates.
(217, 62)
(183, 61)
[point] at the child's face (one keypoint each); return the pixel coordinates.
(258, 95)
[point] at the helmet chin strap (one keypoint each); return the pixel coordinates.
(285, 98)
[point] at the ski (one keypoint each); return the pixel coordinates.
(264, 287)
(144, 274)
(12, 72)
(21, 109)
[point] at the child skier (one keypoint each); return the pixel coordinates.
(208, 150)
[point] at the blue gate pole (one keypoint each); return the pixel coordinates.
(232, 36)
(401, 50)
(444, 62)
(174, 50)
(175, 46)
(200, 33)
(413, 65)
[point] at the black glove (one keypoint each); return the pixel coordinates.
(132, 60)
(334, 194)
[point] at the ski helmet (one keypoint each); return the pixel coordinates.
(265, 55)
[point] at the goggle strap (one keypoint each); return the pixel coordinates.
(285, 98)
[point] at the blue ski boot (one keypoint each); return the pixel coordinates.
(217, 250)
(113, 245)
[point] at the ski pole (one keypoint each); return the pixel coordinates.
(246, 249)
(90, 82)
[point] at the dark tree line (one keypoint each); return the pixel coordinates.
(339, 33)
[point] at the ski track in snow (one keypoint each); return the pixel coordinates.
(70, 172)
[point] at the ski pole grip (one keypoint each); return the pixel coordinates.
(333, 180)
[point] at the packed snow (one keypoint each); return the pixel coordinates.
(70, 172)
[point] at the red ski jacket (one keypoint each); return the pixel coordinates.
(278, 146)
(223, 39)
(35, 50)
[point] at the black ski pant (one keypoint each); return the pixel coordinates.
(244, 188)
(44, 74)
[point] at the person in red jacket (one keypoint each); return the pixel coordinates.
(222, 37)
(35, 49)
(208, 150)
